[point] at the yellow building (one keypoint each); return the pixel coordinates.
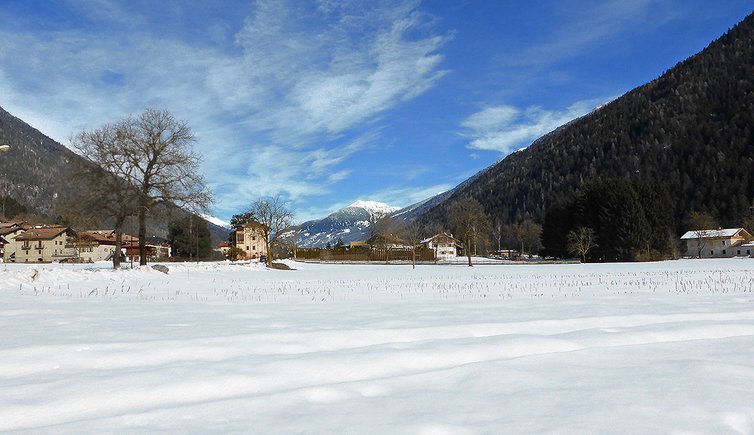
(250, 239)
(45, 244)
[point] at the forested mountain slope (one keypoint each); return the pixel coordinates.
(689, 132)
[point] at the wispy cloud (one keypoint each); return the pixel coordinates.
(587, 25)
(278, 113)
(322, 68)
(506, 128)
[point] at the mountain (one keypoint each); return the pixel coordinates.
(348, 224)
(34, 170)
(216, 221)
(38, 172)
(689, 133)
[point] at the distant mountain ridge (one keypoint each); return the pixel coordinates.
(690, 133)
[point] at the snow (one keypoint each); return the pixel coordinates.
(217, 221)
(219, 347)
(727, 232)
(375, 208)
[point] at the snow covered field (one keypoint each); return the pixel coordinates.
(622, 348)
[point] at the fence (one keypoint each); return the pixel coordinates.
(365, 254)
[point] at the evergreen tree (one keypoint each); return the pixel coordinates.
(190, 238)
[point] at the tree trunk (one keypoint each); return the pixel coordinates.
(142, 236)
(269, 255)
(413, 252)
(468, 250)
(118, 244)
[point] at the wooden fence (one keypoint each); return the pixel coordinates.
(365, 254)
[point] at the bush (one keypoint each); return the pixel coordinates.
(234, 254)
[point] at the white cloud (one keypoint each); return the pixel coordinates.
(278, 113)
(506, 128)
(326, 69)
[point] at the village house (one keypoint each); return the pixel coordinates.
(505, 254)
(3, 242)
(156, 248)
(99, 245)
(9, 231)
(444, 245)
(45, 244)
(250, 239)
(722, 243)
(224, 247)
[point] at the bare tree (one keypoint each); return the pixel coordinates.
(384, 232)
(105, 187)
(293, 234)
(412, 232)
(528, 235)
(498, 232)
(273, 217)
(469, 221)
(582, 241)
(166, 169)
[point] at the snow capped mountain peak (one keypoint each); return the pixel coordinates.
(217, 221)
(348, 224)
(374, 207)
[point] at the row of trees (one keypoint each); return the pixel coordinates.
(611, 221)
(136, 166)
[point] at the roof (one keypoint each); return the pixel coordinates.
(442, 236)
(43, 233)
(106, 237)
(4, 231)
(715, 234)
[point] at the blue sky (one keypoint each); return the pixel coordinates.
(328, 102)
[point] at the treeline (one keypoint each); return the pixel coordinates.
(691, 131)
(629, 221)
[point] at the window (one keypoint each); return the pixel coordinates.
(723, 251)
(711, 252)
(739, 252)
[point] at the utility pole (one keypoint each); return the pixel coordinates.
(5, 193)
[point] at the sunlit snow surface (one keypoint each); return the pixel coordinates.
(638, 348)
